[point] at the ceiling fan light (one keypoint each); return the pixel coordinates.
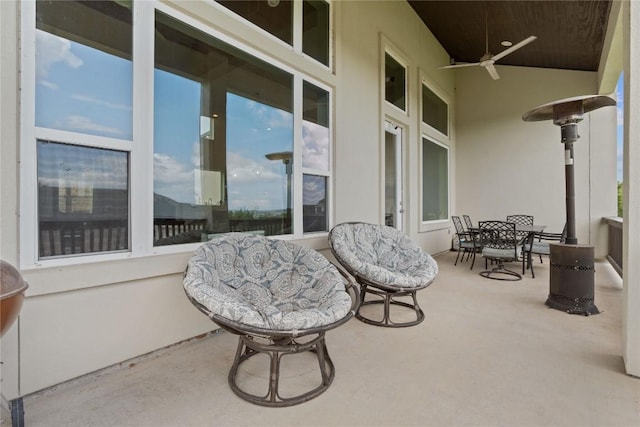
(506, 43)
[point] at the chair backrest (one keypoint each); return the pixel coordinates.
(458, 225)
(520, 219)
(371, 251)
(265, 283)
(467, 221)
(499, 235)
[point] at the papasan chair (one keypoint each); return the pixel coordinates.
(279, 297)
(387, 265)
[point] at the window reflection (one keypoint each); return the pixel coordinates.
(83, 199)
(315, 30)
(435, 181)
(315, 127)
(394, 82)
(219, 115)
(435, 111)
(84, 68)
(273, 16)
(315, 203)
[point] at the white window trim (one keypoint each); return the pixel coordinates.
(141, 154)
(388, 48)
(426, 128)
(434, 135)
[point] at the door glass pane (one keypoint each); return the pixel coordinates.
(315, 203)
(390, 173)
(435, 111)
(83, 199)
(394, 82)
(315, 127)
(435, 181)
(83, 67)
(315, 29)
(274, 16)
(223, 139)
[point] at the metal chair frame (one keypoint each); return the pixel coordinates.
(500, 236)
(467, 242)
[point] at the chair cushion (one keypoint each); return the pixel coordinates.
(541, 248)
(265, 283)
(382, 255)
(499, 253)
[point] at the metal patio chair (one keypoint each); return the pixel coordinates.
(387, 265)
(468, 222)
(539, 245)
(278, 297)
(501, 244)
(467, 242)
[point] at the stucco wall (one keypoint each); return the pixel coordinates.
(507, 166)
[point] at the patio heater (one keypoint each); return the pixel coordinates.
(571, 278)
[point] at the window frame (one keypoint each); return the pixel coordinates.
(296, 46)
(140, 149)
(435, 136)
(395, 54)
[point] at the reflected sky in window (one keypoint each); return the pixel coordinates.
(82, 89)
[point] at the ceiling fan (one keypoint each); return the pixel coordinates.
(487, 60)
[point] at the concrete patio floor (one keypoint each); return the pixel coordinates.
(489, 353)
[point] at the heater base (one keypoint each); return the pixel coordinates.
(571, 279)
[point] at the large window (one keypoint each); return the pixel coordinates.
(220, 117)
(435, 154)
(222, 144)
(83, 113)
(435, 181)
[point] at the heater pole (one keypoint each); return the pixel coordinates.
(569, 133)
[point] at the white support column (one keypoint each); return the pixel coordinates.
(631, 179)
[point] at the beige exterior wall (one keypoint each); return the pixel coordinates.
(83, 317)
(507, 166)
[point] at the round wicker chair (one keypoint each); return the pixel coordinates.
(280, 298)
(387, 265)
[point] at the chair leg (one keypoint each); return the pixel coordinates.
(388, 299)
(501, 273)
(275, 349)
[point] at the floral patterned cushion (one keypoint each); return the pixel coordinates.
(382, 255)
(264, 283)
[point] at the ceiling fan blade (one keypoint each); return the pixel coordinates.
(460, 64)
(513, 48)
(492, 71)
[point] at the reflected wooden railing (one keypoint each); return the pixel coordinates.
(77, 236)
(71, 237)
(614, 252)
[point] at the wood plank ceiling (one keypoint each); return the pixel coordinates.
(570, 33)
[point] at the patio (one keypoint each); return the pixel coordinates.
(489, 353)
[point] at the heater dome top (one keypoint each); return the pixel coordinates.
(575, 106)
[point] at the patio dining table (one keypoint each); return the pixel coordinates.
(530, 229)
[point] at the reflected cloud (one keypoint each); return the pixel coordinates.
(244, 170)
(81, 123)
(51, 49)
(61, 165)
(315, 146)
(314, 189)
(93, 100)
(173, 178)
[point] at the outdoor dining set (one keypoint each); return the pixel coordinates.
(515, 239)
